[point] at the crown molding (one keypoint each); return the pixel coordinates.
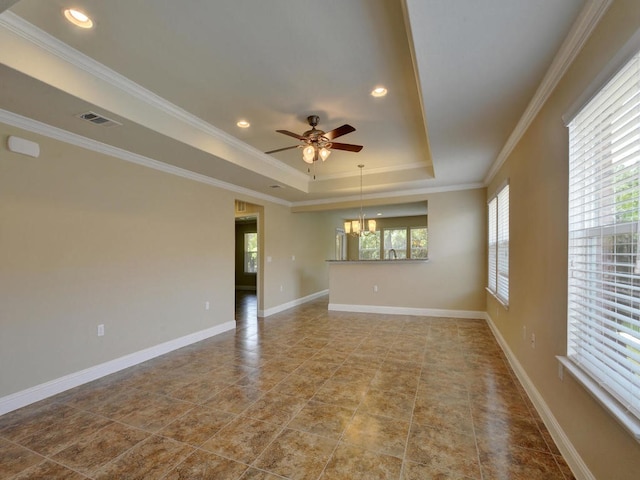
(52, 45)
(55, 133)
(580, 32)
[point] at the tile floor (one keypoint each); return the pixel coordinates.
(305, 394)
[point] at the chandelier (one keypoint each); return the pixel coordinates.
(359, 228)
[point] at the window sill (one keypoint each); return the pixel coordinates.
(498, 299)
(604, 398)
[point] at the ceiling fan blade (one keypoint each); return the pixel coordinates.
(338, 132)
(291, 134)
(281, 149)
(345, 146)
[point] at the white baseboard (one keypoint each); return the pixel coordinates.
(293, 303)
(423, 312)
(53, 387)
(570, 454)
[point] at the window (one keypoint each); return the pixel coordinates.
(395, 243)
(419, 242)
(250, 252)
(392, 244)
(603, 337)
(498, 254)
(369, 247)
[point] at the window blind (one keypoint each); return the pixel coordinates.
(503, 245)
(492, 283)
(498, 254)
(604, 254)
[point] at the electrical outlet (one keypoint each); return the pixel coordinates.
(101, 330)
(206, 305)
(375, 288)
(533, 340)
(281, 288)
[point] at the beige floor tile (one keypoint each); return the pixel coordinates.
(353, 463)
(275, 408)
(157, 412)
(149, 460)
(519, 464)
(14, 459)
(234, 399)
(296, 455)
(59, 436)
(341, 393)
(91, 453)
(443, 450)
(48, 470)
(207, 466)
(30, 420)
(255, 474)
(417, 471)
(388, 404)
(243, 439)
(299, 386)
(323, 419)
(378, 434)
(197, 425)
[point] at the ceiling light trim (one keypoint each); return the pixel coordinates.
(580, 32)
(70, 138)
(52, 45)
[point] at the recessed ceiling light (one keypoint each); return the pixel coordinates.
(379, 92)
(379, 214)
(243, 124)
(78, 18)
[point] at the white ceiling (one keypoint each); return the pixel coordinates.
(179, 75)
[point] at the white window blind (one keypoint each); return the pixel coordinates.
(492, 283)
(503, 245)
(498, 254)
(604, 221)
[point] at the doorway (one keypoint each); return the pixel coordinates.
(248, 260)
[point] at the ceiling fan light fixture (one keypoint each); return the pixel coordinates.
(78, 18)
(324, 153)
(308, 154)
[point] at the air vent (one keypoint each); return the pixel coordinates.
(98, 119)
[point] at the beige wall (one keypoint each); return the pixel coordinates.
(453, 278)
(537, 172)
(306, 236)
(87, 239)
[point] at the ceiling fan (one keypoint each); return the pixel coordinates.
(317, 144)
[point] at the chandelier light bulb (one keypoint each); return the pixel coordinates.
(308, 153)
(324, 153)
